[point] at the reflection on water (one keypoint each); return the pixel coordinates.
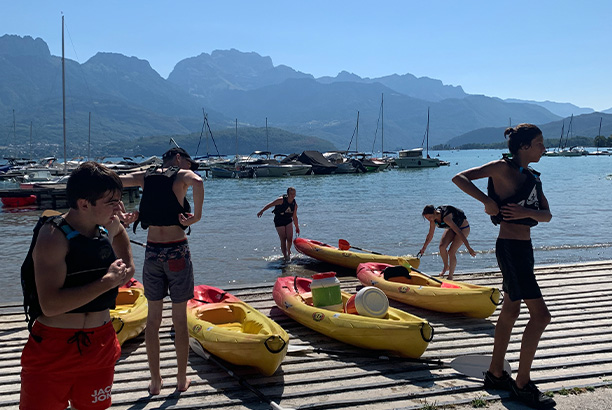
(379, 211)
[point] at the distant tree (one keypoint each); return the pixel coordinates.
(600, 141)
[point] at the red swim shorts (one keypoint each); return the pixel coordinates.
(73, 366)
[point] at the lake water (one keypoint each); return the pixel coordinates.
(378, 211)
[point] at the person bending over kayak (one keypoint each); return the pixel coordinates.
(515, 202)
(457, 229)
(70, 278)
(285, 216)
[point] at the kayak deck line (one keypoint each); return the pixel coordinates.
(575, 351)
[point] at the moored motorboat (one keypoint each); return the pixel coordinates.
(398, 332)
(235, 331)
(413, 158)
(17, 201)
(129, 317)
(346, 258)
(417, 289)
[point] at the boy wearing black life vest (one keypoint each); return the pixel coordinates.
(70, 278)
(166, 213)
(515, 201)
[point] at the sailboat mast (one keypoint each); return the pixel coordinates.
(89, 139)
(569, 131)
(267, 139)
(64, 97)
(427, 132)
(382, 126)
(236, 137)
(599, 133)
(357, 133)
(14, 131)
(31, 138)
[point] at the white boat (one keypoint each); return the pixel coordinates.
(345, 164)
(263, 166)
(413, 158)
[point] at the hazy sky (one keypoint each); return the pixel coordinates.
(533, 50)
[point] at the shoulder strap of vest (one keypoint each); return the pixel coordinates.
(66, 229)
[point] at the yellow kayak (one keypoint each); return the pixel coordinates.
(346, 258)
(234, 331)
(398, 332)
(129, 316)
(416, 289)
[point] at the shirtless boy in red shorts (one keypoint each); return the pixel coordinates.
(78, 260)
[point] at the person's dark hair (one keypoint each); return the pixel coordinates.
(91, 181)
(428, 210)
(521, 136)
(290, 189)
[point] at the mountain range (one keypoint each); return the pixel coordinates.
(128, 102)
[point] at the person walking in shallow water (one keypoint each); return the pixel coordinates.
(516, 202)
(285, 217)
(456, 230)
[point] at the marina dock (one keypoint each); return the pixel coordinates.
(575, 352)
(54, 196)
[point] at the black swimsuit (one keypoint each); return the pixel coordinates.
(283, 213)
(458, 216)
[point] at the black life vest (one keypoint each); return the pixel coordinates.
(88, 260)
(284, 211)
(158, 205)
(528, 195)
(458, 216)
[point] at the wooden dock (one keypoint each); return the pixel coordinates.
(575, 352)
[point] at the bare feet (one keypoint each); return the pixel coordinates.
(444, 269)
(155, 388)
(182, 387)
(450, 276)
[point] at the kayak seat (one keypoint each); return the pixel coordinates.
(251, 326)
(396, 271)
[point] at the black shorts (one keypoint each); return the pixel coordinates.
(515, 260)
(278, 222)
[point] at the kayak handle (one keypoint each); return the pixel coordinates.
(271, 338)
(423, 335)
(501, 297)
(122, 324)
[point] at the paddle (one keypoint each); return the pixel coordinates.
(345, 246)
(199, 350)
(472, 365)
(144, 245)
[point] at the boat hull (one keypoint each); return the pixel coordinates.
(398, 332)
(420, 291)
(129, 317)
(234, 331)
(348, 259)
(14, 202)
(417, 162)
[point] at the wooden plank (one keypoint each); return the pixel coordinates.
(574, 352)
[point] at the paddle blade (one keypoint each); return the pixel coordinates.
(198, 349)
(343, 245)
(403, 262)
(475, 365)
